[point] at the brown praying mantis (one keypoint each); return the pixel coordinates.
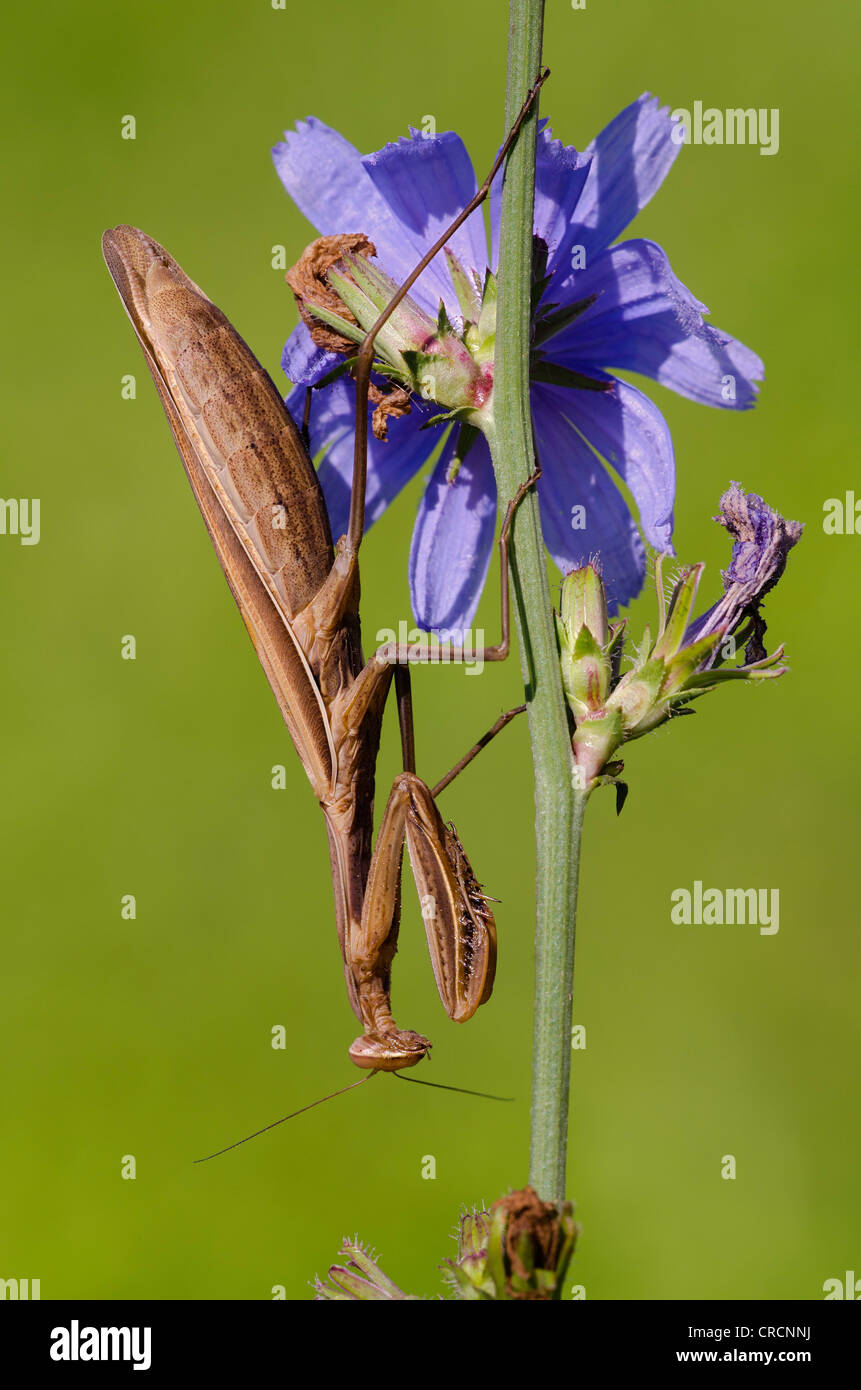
(298, 594)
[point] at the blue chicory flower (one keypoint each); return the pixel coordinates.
(598, 306)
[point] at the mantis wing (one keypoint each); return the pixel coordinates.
(247, 467)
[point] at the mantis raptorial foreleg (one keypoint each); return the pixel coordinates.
(460, 928)
(382, 1046)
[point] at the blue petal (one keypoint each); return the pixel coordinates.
(426, 180)
(645, 320)
(302, 362)
(627, 430)
(630, 160)
(572, 477)
(560, 175)
(323, 174)
(453, 540)
(392, 462)
(326, 178)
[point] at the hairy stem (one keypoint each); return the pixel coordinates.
(559, 805)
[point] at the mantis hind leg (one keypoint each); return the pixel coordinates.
(403, 691)
(476, 748)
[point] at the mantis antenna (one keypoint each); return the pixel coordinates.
(293, 1113)
(437, 1086)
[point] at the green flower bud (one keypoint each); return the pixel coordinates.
(341, 292)
(478, 1269)
(359, 1279)
(519, 1250)
(686, 658)
(584, 645)
(584, 603)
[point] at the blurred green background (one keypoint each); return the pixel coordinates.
(152, 1037)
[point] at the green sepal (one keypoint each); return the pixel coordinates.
(538, 289)
(767, 669)
(561, 634)
(367, 1265)
(489, 290)
(486, 325)
(495, 1253)
(379, 367)
(336, 373)
(467, 1290)
(571, 1230)
(360, 305)
(360, 1280)
(416, 360)
(443, 323)
(678, 704)
(585, 645)
(366, 311)
(638, 693)
(485, 349)
(644, 650)
(555, 375)
(681, 604)
(469, 1273)
(373, 282)
(466, 437)
(683, 665)
(465, 288)
(549, 324)
(585, 674)
(463, 412)
(333, 320)
(352, 1286)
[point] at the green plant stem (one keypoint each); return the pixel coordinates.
(559, 805)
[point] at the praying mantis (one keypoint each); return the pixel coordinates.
(261, 501)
